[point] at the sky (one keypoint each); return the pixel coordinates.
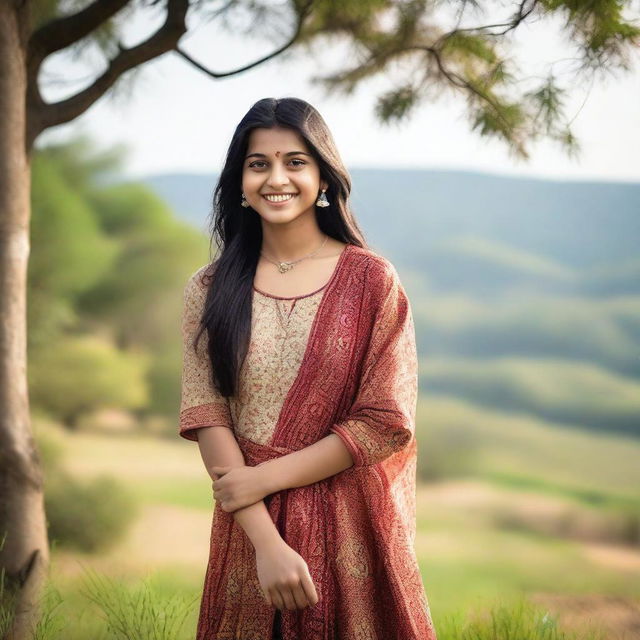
(177, 119)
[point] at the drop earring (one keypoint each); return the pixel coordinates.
(244, 202)
(322, 200)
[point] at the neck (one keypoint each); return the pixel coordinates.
(286, 247)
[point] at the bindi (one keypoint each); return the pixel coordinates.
(277, 154)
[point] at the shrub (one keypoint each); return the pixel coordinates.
(90, 515)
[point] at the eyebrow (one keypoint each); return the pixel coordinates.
(291, 153)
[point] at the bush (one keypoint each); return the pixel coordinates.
(79, 374)
(89, 516)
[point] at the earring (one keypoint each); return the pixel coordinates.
(244, 202)
(322, 200)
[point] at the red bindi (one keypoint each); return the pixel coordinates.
(277, 154)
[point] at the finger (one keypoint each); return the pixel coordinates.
(288, 598)
(300, 597)
(309, 589)
(276, 599)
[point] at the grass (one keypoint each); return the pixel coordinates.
(104, 608)
(101, 607)
(513, 446)
(468, 559)
(555, 389)
(518, 620)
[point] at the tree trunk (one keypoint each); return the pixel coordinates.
(24, 548)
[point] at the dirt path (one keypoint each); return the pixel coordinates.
(162, 535)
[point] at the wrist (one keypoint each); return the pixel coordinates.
(258, 525)
(266, 540)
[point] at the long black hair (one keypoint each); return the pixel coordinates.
(237, 231)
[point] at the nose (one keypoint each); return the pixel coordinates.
(277, 176)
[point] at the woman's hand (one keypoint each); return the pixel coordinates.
(284, 576)
(238, 487)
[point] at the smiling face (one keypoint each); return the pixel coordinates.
(278, 161)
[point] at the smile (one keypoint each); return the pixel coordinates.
(282, 198)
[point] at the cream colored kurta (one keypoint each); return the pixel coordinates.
(280, 329)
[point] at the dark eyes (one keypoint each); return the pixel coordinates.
(257, 162)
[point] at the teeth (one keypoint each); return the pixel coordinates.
(279, 198)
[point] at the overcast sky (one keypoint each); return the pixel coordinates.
(177, 119)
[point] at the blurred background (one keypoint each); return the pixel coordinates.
(524, 280)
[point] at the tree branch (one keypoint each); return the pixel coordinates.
(221, 74)
(519, 17)
(59, 34)
(63, 32)
(42, 115)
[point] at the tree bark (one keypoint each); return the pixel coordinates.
(24, 547)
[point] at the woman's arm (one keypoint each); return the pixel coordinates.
(218, 447)
(381, 420)
(318, 461)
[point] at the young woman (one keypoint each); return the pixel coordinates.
(299, 385)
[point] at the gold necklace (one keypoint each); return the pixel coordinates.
(285, 266)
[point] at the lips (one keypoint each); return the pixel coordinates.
(283, 201)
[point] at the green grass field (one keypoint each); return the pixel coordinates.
(510, 512)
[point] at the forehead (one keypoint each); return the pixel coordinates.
(271, 140)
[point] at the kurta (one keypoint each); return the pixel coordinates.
(342, 360)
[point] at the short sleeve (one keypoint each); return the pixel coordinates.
(201, 404)
(381, 420)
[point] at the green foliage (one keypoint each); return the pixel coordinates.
(131, 210)
(472, 60)
(396, 104)
(599, 28)
(155, 252)
(8, 598)
(69, 252)
(76, 374)
(51, 622)
(82, 166)
(105, 261)
(138, 613)
(142, 612)
(89, 515)
(469, 47)
(521, 620)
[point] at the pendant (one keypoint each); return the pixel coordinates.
(284, 266)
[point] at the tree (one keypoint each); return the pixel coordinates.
(467, 60)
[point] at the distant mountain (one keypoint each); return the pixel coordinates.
(525, 292)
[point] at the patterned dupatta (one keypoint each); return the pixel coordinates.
(356, 529)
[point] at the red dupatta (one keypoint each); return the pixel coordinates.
(356, 529)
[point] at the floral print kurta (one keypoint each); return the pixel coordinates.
(339, 360)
